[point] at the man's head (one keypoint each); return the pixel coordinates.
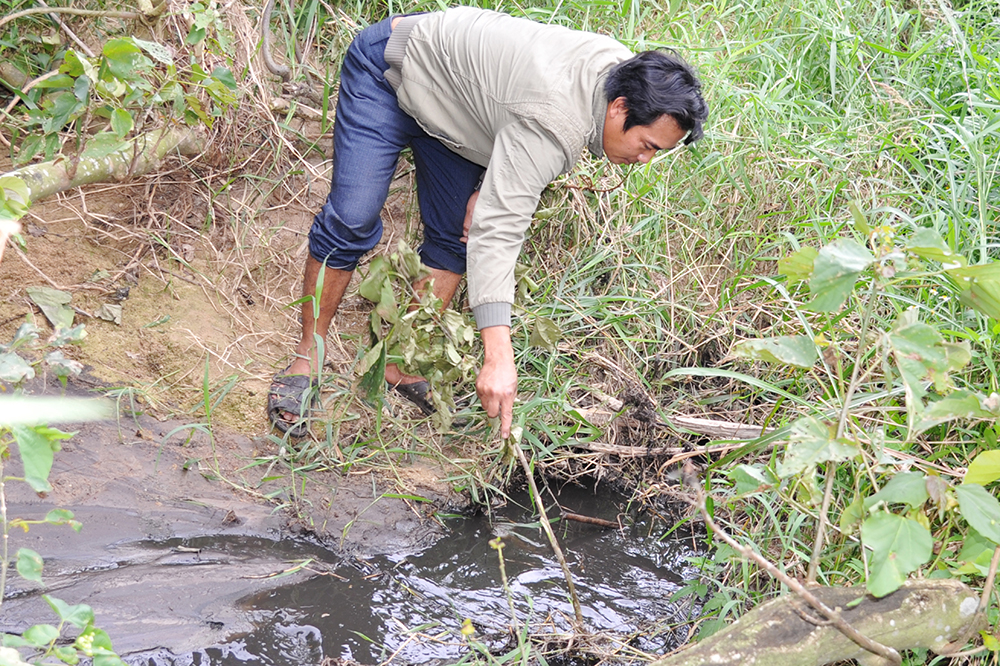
(654, 100)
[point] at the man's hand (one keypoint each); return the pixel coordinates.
(469, 207)
(497, 381)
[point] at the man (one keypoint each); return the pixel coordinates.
(494, 108)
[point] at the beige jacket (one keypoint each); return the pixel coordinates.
(520, 98)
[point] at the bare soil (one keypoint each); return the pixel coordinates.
(204, 281)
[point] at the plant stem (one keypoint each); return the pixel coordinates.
(4, 526)
(547, 526)
(831, 468)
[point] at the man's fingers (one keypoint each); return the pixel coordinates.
(506, 417)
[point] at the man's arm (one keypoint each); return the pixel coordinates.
(525, 159)
(497, 381)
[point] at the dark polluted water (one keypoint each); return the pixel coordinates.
(410, 609)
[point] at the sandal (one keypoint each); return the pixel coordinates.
(293, 394)
(417, 394)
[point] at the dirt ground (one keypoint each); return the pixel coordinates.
(204, 284)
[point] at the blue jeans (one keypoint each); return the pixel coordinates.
(369, 133)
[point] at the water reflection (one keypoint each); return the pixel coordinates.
(410, 609)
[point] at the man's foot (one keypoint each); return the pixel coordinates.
(417, 393)
(290, 403)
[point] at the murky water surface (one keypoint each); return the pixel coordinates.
(410, 609)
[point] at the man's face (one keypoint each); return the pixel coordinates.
(640, 142)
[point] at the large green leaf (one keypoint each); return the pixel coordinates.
(908, 488)
(835, 270)
(794, 350)
(29, 564)
(984, 469)
(980, 509)
(899, 547)
(811, 442)
(41, 635)
(79, 615)
(37, 445)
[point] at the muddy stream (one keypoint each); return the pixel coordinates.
(182, 570)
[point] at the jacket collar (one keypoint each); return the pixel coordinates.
(595, 140)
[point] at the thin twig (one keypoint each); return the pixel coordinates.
(68, 10)
(590, 520)
(548, 531)
(69, 33)
(830, 614)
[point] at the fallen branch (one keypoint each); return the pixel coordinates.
(138, 156)
(75, 12)
(921, 614)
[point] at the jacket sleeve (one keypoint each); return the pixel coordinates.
(525, 159)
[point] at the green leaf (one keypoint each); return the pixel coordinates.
(372, 369)
(990, 641)
(67, 655)
(121, 122)
(927, 244)
(54, 304)
(29, 564)
(41, 635)
(834, 273)
(959, 405)
(159, 52)
(68, 336)
(62, 366)
(58, 81)
(749, 479)
(852, 515)
(977, 551)
(14, 369)
(124, 58)
(908, 488)
(102, 144)
(37, 445)
(545, 334)
(795, 350)
(980, 509)
(79, 615)
(378, 273)
(984, 469)
(225, 77)
(860, 222)
(811, 442)
(983, 296)
(386, 307)
(798, 266)
(899, 547)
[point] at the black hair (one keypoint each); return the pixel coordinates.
(655, 83)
